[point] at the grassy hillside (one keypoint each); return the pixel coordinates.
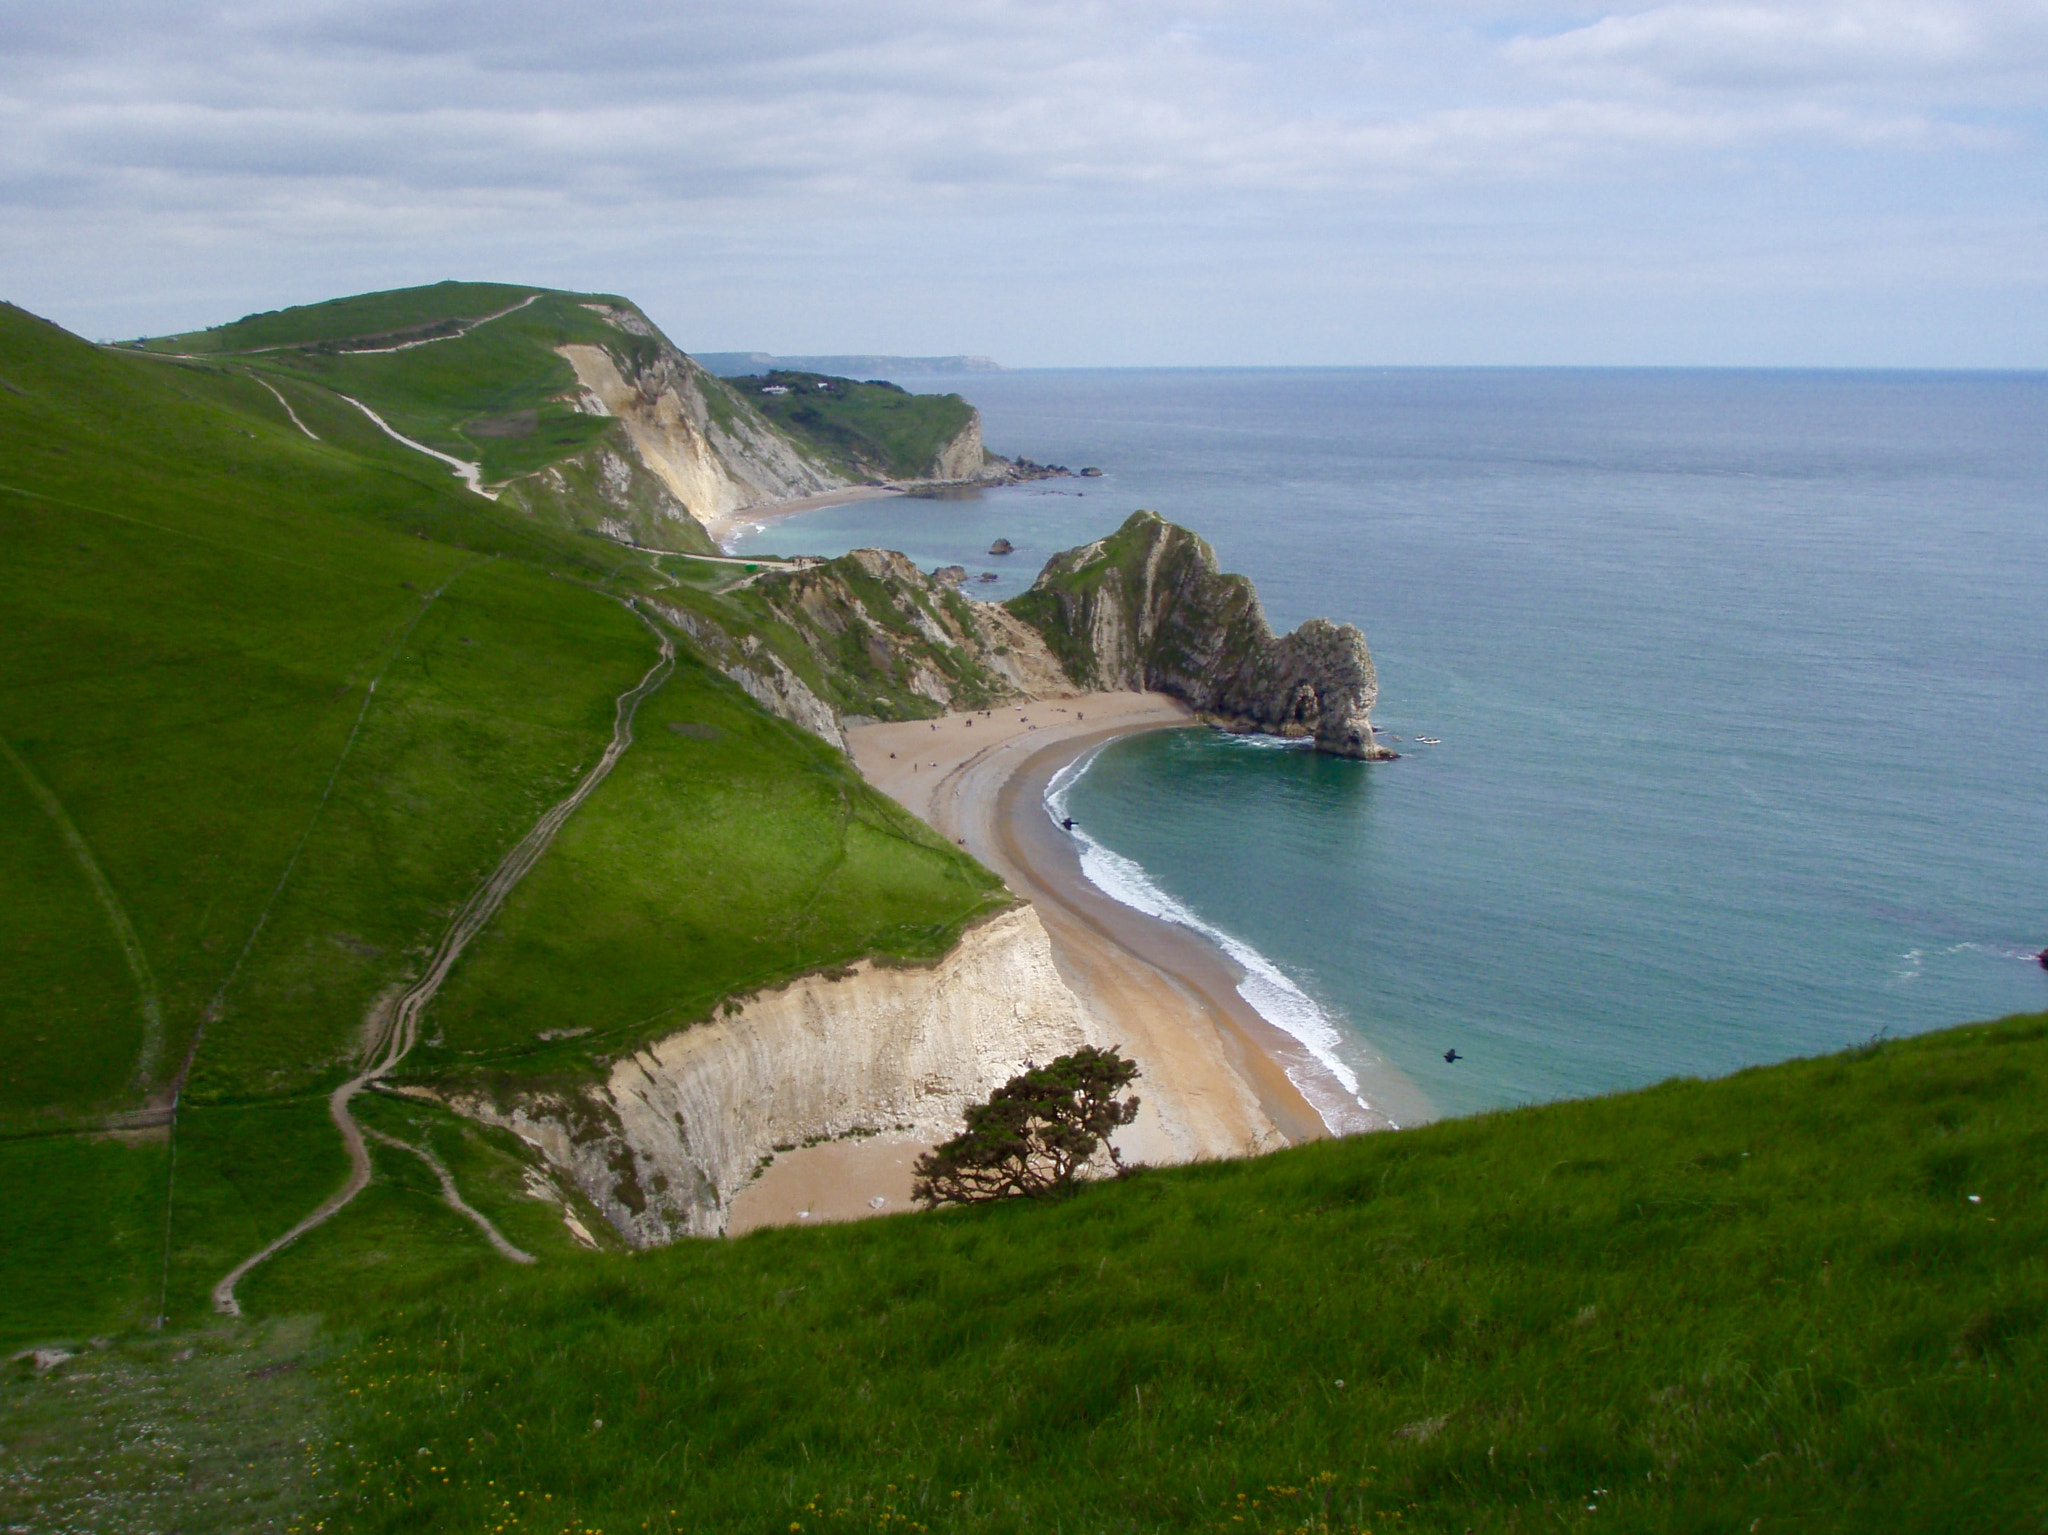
(272, 708)
(865, 430)
(1810, 1297)
(369, 318)
(471, 370)
(496, 394)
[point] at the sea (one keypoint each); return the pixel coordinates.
(1735, 686)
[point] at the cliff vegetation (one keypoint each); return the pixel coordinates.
(575, 409)
(874, 429)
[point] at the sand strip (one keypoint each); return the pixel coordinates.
(724, 529)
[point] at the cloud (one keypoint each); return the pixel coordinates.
(308, 141)
(897, 101)
(1834, 42)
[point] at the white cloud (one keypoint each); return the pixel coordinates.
(307, 144)
(1799, 42)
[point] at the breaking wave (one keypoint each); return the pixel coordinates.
(1270, 993)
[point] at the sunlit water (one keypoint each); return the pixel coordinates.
(1741, 679)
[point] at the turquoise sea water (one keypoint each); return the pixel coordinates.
(1741, 679)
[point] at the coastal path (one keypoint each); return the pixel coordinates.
(395, 1030)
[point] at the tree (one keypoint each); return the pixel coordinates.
(1036, 1135)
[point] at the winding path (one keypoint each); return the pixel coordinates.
(472, 474)
(287, 404)
(452, 1197)
(397, 1030)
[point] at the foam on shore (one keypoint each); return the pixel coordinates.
(1269, 992)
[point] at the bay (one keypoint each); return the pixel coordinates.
(1739, 680)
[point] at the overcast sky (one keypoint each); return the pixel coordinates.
(1053, 182)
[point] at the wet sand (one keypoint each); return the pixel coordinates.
(1219, 1080)
(839, 1181)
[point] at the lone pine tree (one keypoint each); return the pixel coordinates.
(1037, 1133)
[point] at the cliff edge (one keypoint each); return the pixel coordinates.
(1149, 608)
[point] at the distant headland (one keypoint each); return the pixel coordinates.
(850, 365)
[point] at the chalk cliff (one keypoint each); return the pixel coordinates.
(678, 1128)
(714, 453)
(1148, 607)
(965, 457)
(714, 450)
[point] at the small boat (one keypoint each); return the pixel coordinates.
(1430, 740)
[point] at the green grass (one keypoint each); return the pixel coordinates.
(500, 698)
(733, 854)
(1768, 1302)
(1765, 1302)
(473, 395)
(274, 707)
(365, 314)
(862, 429)
(81, 1233)
(227, 1430)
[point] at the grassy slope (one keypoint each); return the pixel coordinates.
(365, 314)
(498, 395)
(293, 699)
(1768, 1298)
(863, 429)
(703, 867)
(494, 395)
(1761, 1303)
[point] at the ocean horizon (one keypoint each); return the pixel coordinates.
(1735, 671)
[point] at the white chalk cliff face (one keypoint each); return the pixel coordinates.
(964, 458)
(714, 464)
(663, 1145)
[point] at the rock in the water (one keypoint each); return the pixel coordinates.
(1002, 546)
(950, 575)
(1148, 608)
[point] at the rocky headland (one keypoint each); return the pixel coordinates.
(1148, 608)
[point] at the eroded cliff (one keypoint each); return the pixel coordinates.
(711, 450)
(662, 1145)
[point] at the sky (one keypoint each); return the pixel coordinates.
(1063, 182)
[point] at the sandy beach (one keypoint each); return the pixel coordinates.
(1219, 1080)
(724, 529)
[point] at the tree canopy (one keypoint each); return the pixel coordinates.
(1037, 1134)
